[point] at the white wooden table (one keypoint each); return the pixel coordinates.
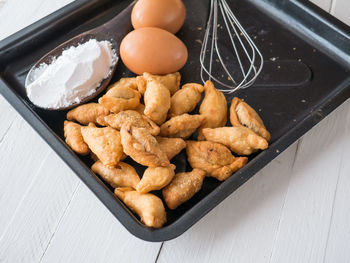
(294, 210)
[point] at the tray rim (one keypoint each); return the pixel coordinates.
(209, 202)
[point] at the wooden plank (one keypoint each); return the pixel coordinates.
(43, 204)
(29, 219)
(244, 226)
(21, 150)
(7, 117)
(307, 214)
(339, 234)
(90, 233)
(21, 153)
(2, 3)
(341, 10)
(324, 4)
(248, 226)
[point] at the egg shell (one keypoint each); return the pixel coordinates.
(169, 15)
(153, 50)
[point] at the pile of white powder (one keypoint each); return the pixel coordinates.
(72, 76)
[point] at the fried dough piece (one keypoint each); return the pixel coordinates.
(134, 118)
(120, 98)
(213, 107)
(95, 158)
(141, 84)
(186, 99)
(170, 81)
(105, 143)
(124, 82)
(93, 125)
(123, 175)
(87, 113)
(214, 158)
(240, 140)
(157, 102)
(140, 109)
(182, 126)
(171, 146)
(148, 207)
(142, 147)
(241, 114)
(74, 139)
(183, 187)
(155, 178)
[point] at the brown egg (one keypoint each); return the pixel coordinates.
(166, 14)
(153, 50)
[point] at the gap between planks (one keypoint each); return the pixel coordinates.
(311, 190)
(337, 191)
(17, 210)
(285, 197)
(6, 131)
(87, 217)
(312, 209)
(230, 227)
(333, 207)
(60, 220)
(296, 150)
(333, 5)
(160, 249)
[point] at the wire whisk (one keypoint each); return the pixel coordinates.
(246, 61)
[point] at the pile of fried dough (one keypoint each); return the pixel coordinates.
(119, 125)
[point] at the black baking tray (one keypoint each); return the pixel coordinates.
(287, 33)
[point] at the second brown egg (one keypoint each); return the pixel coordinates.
(166, 14)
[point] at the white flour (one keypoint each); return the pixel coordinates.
(72, 76)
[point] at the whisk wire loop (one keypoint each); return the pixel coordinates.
(245, 52)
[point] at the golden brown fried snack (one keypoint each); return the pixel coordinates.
(185, 99)
(87, 113)
(120, 98)
(105, 143)
(241, 114)
(213, 107)
(171, 146)
(240, 140)
(74, 139)
(140, 109)
(170, 81)
(149, 207)
(141, 84)
(124, 82)
(181, 126)
(183, 187)
(155, 178)
(214, 158)
(157, 102)
(134, 118)
(93, 125)
(142, 147)
(95, 158)
(123, 175)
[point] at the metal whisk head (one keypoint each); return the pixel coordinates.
(239, 59)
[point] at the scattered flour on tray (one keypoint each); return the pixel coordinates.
(72, 76)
